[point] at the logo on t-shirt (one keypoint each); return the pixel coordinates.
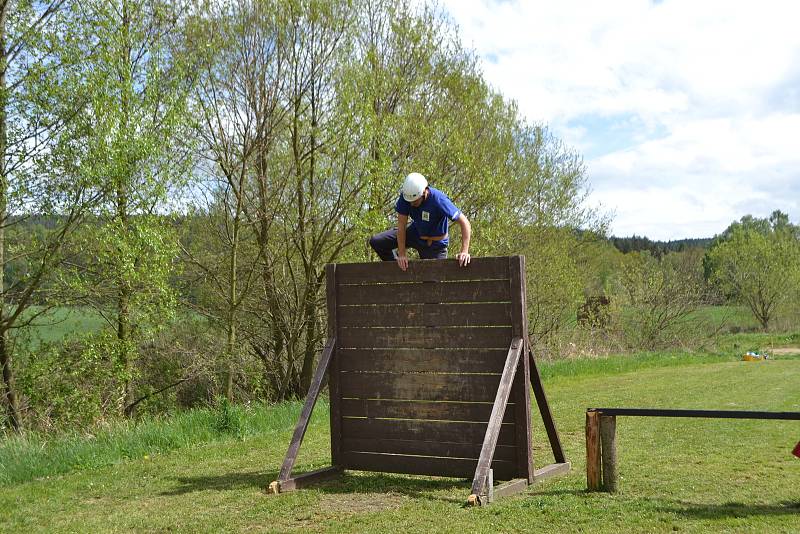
(426, 216)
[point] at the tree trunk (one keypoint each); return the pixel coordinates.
(6, 360)
(232, 295)
(12, 400)
(311, 342)
(127, 355)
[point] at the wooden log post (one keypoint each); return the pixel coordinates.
(608, 439)
(592, 451)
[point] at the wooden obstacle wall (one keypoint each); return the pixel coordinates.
(420, 355)
(429, 372)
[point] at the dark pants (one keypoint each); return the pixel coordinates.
(385, 244)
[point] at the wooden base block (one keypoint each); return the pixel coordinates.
(518, 485)
(304, 480)
(552, 470)
(511, 487)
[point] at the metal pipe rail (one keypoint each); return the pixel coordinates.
(718, 414)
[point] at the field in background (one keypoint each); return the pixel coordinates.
(61, 323)
(64, 322)
(709, 475)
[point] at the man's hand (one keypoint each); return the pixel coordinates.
(402, 261)
(463, 258)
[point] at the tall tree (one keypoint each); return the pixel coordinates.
(239, 100)
(758, 267)
(545, 192)
(138, 78)
(324, 174)
(39, 209)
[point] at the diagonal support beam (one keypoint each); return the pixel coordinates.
(544, 410)
(495, 420)
(308, 407)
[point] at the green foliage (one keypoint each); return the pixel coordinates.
(129, 146)
(289, 125)
(229, 419)
(759, 265)
(553, 281)
(657, 248)
(34, 455)
(657, 299)
(74, 383)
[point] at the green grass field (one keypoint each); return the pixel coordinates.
(676, 474)
(60, 323)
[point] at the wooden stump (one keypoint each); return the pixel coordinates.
(592, 451)
(608, 438)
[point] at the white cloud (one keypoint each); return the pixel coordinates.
(702, 176)
(705, 94)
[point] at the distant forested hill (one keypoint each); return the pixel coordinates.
(657, 248)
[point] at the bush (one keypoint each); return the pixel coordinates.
(658, 299)
(69, 384)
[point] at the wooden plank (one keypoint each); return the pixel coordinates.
(422, 465)
(304, 480)
(410, 429)
(551, 470)
(493, 430)
(477, 412)
(424, 293)
(333, 376)
(426, 448)
(481, 337)
(458, 314)
(305, 413)
(401, 360)
(412, 386)
(421, 271)
(511, 487)
(544, 411)
(608, 448)
(592, 451)
(521, 388)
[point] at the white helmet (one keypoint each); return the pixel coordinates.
(414, 186)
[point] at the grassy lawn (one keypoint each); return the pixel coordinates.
(676, 475)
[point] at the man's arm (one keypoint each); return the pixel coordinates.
(402, 258)
(463, 257)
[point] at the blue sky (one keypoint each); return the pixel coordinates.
(687, 113)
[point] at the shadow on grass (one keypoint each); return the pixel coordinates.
(732, 509)
(413, 487)
(229, 481)
(539, 491)
(355, 483)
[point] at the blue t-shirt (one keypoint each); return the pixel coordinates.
(430, 218)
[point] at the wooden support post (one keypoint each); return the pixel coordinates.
(305, 414)
(592, 451)
(495, 420)
(544, 410)
(521, 387)
(333, 375)
(608, 438)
